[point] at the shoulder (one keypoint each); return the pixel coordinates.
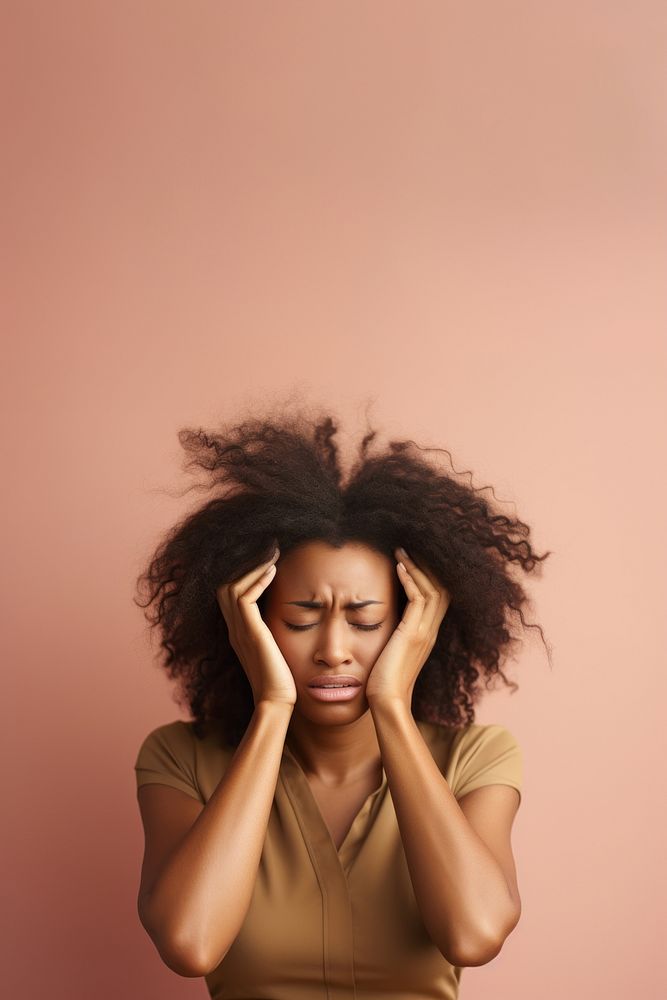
(476, 755)
(171, 737)
(178, 729)
(180, 736)
(172, 754)
(476, 738)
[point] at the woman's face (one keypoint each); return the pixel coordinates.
(332, 638)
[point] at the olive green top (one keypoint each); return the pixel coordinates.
(327, 924)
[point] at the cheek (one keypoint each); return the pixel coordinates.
(379, 639)
(293, 645)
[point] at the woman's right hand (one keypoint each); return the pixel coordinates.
(251, 638)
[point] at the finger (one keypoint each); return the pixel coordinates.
(436, 590)
(239, 586)
(436, 602)
(414, 609)
(427, 584)
(246, 605)
(262, 582)
(232, 589)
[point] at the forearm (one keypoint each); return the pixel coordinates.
(461, 891)
(201, 898)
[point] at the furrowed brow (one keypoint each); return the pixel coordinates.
(353, 605)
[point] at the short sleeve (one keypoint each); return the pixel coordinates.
(167, 757)
(486, 755)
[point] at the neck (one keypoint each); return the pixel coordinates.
(335, 755)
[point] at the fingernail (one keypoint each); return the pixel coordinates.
(401, 551)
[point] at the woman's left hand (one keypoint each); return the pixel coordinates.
(396, 669)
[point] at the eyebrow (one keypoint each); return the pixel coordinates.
(319, 604)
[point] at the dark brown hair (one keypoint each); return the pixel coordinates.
(280, 480)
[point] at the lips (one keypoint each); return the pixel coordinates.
(347, 679)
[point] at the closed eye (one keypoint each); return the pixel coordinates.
(364, 628)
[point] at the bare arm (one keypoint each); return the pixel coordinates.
(466, 893)
(459, 856)
(197, 904)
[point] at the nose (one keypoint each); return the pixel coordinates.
(332, 646)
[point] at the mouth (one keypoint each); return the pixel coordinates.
(335, 681)
(337, 692)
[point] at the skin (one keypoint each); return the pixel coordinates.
(335, 743)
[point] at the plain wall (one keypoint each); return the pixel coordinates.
(456, 211)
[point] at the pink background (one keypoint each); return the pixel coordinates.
(456, 211)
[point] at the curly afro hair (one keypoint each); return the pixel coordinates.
(279, 480)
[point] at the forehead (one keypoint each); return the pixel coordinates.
(318, 564)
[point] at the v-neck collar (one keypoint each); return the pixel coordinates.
(315, 831)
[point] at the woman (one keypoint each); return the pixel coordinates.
(306, 841)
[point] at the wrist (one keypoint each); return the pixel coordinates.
(389, 703)
(267, 706)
